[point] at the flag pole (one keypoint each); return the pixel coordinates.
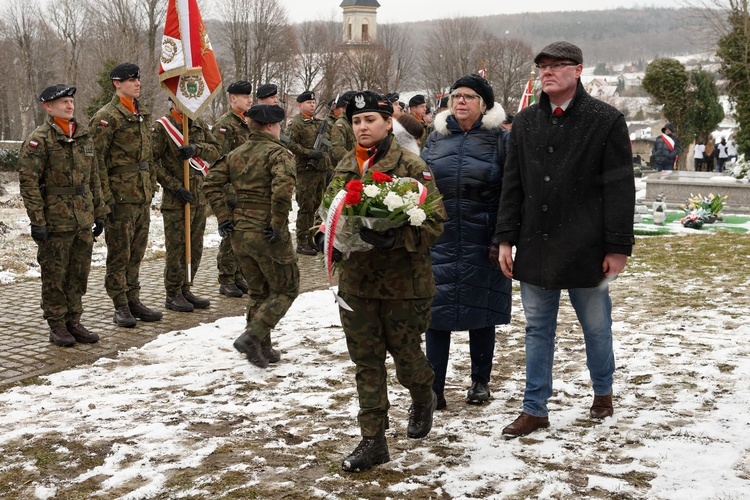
(186, 183)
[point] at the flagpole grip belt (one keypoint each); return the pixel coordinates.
(65, 191)
(253, 205)
(123, 169)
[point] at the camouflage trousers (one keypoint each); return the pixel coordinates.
(309, 194)
(376, 327)
(229, 269)
(127, 238)
(65, 261)
(175, 270)
(273, 277)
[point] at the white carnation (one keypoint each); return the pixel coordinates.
(416, 216)
(371, 191)
(393, 201)
(412, 197)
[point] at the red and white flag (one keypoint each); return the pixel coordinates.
(187, 70)
(482, 72)
(528, 94)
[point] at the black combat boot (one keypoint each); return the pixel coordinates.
(61, 336)
(123, 317)
(249, 345)
(242, 285)
(230, 290)
(197, 302)
(420, 418)
(478, 393)
(143, 313)
(178, 303)
(271, 354)
(372, 450)
(80, 332)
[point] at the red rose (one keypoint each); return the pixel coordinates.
(354, 186)
(381, 177)
(352, 198)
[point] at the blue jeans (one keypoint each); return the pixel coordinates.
(594, 310)
(481, 348)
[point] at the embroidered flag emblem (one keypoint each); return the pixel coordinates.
(104, 123)
(427, 175)
(33, 144)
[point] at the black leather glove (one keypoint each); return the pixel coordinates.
(226, 228)
(271, 235)
(320, 240)
(187, 152)
(98, 227)
(232, 202)
(111, 214)
(39, 233)
(317, 155)
(494, 256)
(383, 240)
(184, 195)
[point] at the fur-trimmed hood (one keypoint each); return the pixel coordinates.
(491, 120)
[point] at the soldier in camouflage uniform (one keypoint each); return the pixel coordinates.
(231, 132)
(342, 135)
(59, 182)
(262, 173)
(418, 109)
(389, 289)
(268, 93)
(312, 167)
(122, 135)
(202, 150)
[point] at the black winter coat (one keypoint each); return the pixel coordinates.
(568, 193)
(468, 170)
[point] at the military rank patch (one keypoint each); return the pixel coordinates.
(33, 144)
(104, 123)
(223, 130)
(427, 175)
(339, 125)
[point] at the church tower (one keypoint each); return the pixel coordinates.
(360, 21)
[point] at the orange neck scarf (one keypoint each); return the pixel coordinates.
(363, 154)
(421, 120)
(67, 126)
(176, 115)
(129, 104)
(309, 117)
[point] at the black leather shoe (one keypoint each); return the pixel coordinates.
(123, 317)
(249, 345)
(61, 336)
(525, 424)
(230, 290)
(306, 250)
(420, 418)
(370, 451)
(80, 333)
(197, 302)
(178, 303)
(478, 393)
(143, 313)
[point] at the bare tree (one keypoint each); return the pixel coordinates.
(72, 23)
(508, 64)
(399, 60)
(269, 34)
(310, 41)
(449, 53)
(237, 36)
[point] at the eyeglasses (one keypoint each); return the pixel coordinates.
(555, 66)
(465, 97)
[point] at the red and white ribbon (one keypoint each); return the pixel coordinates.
(196, 162)
(331, 226)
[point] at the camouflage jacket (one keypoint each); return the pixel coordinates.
(170, 168)
(405, 271)
(59, 178)
(302, 133)
(123, 147)
(231, 131)
(262, 173)
(342, 139)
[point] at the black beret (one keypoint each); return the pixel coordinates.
(417, 100)
(56, 92)
(443, 103)
(344, 98)
(478, 85)
(667, 126)
(401, 105)
(307, 95)
(392, 96)
(240, 87)
(561, 50)
(124, 71)
(266, 90)
(265, 113)
(362, 102)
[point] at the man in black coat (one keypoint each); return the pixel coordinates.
(567, 204)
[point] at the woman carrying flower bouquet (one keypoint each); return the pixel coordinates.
(388, 287)
(466, 153)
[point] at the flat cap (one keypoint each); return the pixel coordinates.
(479, 85)
(265, 113)
(307, 95)
(365, 101)
(561, 50)
(124, 71)
(266, 90)
(57, 91)
(240, 87)
(417, 100)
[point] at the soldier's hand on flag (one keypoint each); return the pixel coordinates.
(184, 195)
(187, 152)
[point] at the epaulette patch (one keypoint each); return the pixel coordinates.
(104, 123)
(427, 175)
(339, 125)
(223, 130)
(33, 144)
(290, 153)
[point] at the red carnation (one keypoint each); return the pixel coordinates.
(353, 198)
(381, 177)
(354, 186)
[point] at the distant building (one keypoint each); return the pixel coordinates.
(360, 21)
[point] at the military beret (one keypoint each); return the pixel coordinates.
(307, 95)
(478, 85)
(56, 92)
(124, 71)
(392, 96)
(443, 103)
(344, 98)
(240, 87)
(362, 102)
(561, 50)
(265, 113)
(266, 90)
(417, 100)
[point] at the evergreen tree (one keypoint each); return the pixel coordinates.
(666, 80)
(601, 69)
(703, 111)
(106, 90)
